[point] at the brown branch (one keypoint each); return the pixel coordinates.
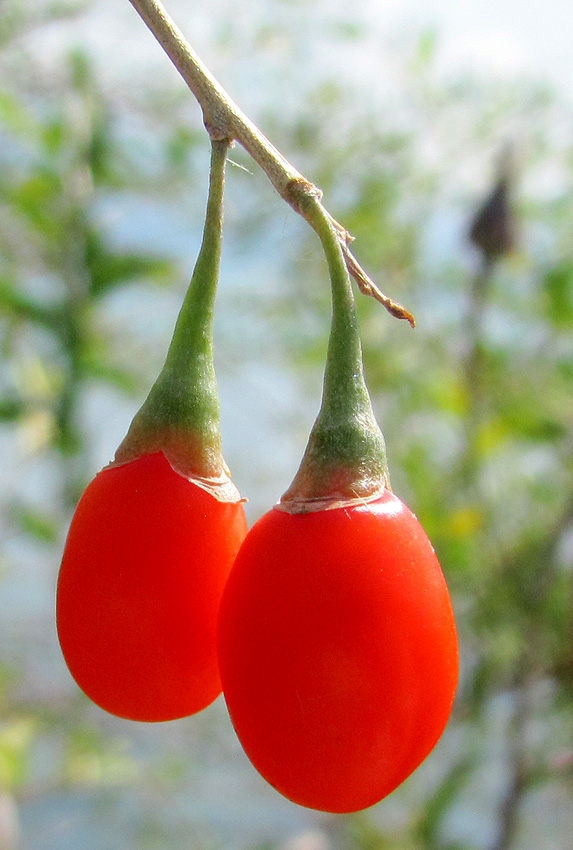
(224, 120)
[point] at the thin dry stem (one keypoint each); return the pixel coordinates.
(223, 119)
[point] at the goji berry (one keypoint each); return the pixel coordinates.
(155, 533)
(337, 643)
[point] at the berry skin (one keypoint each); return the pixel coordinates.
(338, 651)
(146, 560)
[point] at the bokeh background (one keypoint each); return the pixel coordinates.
(407, 115)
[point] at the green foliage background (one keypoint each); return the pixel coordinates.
(102, 186)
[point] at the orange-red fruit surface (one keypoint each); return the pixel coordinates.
(338, 651)
(146, 560)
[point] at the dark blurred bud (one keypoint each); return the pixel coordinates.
(493, 228)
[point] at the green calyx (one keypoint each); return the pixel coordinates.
(345, 459)
(180, 416)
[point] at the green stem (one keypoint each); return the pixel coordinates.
(180, 416)
(345, 460)
(191, 347)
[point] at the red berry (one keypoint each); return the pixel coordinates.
(145, 563)
(338, 651)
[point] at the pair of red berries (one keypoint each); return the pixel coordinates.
(328, 625)
(337, 646)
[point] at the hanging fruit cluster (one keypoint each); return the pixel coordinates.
(328, 625)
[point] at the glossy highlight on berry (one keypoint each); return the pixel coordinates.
(338, 652)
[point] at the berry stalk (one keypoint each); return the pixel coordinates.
(345, 459)
(180, 416)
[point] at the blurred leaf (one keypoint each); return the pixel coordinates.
(109, 270)
(557, 286)
(33, 197)
(94, 759)
(14, 303)
(425, 50)
(14, 117)
(364, 835)
(466, 521)
(16, 737)
(442, 799)
(35, 523)
(112, 375)
(182, 141)
(80, 71)
(36, 430)
(53, 135)
(11, 408)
